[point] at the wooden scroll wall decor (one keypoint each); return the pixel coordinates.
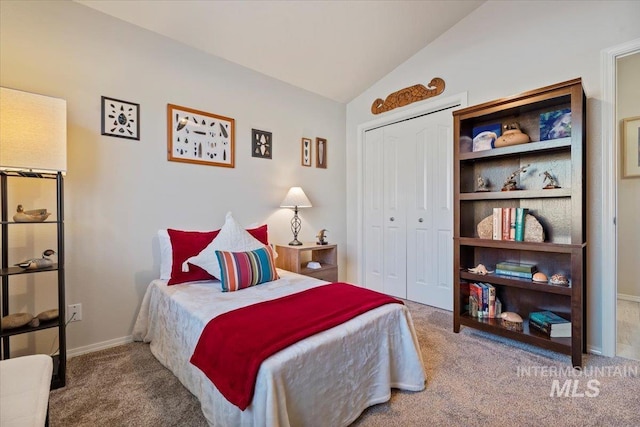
(408, 96)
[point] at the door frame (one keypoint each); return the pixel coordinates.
(609, 205)
(458, 100)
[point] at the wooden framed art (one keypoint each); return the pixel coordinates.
(306, 152)
(321, 153)
(631, 147)
(195, 136)
(120, 118)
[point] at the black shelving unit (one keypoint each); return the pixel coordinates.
(7, 271)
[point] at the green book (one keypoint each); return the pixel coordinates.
(523, 267)
(548, 319)
(521, 214)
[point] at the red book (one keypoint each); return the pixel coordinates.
(506, 223)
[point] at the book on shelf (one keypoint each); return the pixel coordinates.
(512, 224)
(475, 291)
(491, 300)
(484, 295)
(550, 323)
(497, 223)
(524, 267)
(519, 274)
(506, 223)
(521, 214)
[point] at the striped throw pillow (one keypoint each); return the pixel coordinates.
(240, 270)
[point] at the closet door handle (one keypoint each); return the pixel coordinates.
(420, 220)
(392, 219)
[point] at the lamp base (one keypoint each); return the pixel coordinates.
(295, 242)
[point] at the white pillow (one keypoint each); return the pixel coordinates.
(166, 255)
(232, 238)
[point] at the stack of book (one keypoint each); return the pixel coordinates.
(508, 223)
(482, 296)
(522, 270)
(550, 324)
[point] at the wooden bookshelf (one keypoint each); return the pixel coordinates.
(560, 211)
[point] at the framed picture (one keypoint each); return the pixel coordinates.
(555, 124)
(631, 147)
(306, 152)
(120, 118)
(195, 136)
(321, 153)
(485, 136)
(261, 143)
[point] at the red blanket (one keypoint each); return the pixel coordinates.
(233, 345)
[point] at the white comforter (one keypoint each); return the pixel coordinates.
(325, 380)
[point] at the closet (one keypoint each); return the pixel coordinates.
(407, 209)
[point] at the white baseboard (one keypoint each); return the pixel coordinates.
(98, 346)
(594, 350)
(627, 297)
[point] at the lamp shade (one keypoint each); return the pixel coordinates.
(295, 198)
(33, 132)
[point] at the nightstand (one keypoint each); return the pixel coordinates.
(296, 258)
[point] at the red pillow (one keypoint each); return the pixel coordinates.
(261, 233)
(185, 244)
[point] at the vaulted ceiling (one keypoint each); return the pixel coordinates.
(336, 49)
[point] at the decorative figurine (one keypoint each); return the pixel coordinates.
(511, 135)
(540, 277)
(482, 184)
(321, 237)
(559, 279)
(510, 184)
(38, 263)
(479, 269)
(512, 321)
(552, 181)
(36, 215)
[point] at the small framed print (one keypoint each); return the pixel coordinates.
(195, 136)
(631, 147)
(306, 152)
(321, 153)
(261, 144)
(120, 118)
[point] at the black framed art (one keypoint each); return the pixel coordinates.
(120, 118)
(261, 144)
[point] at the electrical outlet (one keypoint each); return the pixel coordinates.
(74, 312)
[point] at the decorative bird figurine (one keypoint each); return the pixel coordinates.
(38, 263)
(321, 237)
(36, 215)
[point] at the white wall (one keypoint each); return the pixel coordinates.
(628, 105)
(505, 48)
(120, 192)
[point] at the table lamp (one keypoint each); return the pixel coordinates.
(295, 199)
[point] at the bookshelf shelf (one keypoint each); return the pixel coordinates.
(516, 195)
(561, 345)
(496, 279)
(560, 211)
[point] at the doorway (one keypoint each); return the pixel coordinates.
(616, 228)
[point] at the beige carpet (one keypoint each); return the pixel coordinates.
(474, 379)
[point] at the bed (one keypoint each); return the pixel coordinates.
(327, 379)
(355, 365)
